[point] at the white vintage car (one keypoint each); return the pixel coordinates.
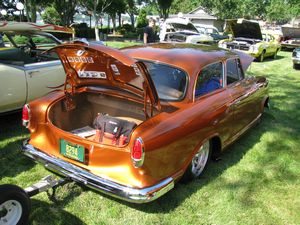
(182, 30)
(25, 73)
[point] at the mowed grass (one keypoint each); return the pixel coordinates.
(256, 182)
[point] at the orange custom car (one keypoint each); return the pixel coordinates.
(132, 122)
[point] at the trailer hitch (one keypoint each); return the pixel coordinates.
(45, 184)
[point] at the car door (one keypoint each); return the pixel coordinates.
(43, 77)
(213, 99)
(242, 91)
(12, 87)
(273, 44)
(270, 45)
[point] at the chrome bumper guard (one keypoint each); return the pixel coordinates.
(106, 186)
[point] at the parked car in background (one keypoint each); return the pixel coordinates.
(247, 37)
(291, 37)
(211, 31)
(25, 72)
(296, 58)
(134, 121)
(182, 30)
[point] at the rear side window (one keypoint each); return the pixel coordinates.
(233, 71)
(170, 82)
(209, 79)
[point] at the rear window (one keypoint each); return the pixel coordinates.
(170, 82)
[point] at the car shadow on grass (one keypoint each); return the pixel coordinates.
(12, 134)
(45, 213)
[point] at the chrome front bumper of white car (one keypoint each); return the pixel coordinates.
(106, 186)
(296, 60)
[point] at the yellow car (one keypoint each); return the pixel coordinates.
(25, 73)
(247, 37)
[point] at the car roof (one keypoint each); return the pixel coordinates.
(189, 57)
(32, 27)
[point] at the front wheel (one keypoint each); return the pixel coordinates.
(275, 54)
(198, 163)
(14, 205)
(261, 57)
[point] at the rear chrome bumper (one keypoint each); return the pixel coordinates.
(106, 186)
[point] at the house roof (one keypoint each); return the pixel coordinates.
(200, 12)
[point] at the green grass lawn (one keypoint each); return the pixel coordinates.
(256, 182)
(121, 44)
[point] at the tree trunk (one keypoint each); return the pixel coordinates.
(96, 18)
(132, 19)
(120, 19)
(108, 24)
(113, 17)
(33, 13)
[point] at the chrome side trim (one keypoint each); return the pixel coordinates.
(98, 183)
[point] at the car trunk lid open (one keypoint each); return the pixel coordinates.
(98, 65)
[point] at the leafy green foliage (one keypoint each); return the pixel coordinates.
(184, 6)
(273, 10)
(282, 11)
(51, 16)
(164, 7)
(142, 19)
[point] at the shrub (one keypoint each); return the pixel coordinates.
(142, 19)
(51, 16)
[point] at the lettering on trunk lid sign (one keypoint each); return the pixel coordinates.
(91, 74)
(80, 59)
(136, 70)
(115, 69)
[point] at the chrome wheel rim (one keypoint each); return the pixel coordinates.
(200, 159)
(13, 212)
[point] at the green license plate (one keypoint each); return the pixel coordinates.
(72, 151)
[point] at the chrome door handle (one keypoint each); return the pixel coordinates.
(33, 72)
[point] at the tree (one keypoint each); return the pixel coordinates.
(9, 6)
(97, 7)
(282, 11)
(66, 9)
(116, 8)
(142, 18)
(51, 16)
(163, 6)
(32, 7)
(183, 6)
(131, 9)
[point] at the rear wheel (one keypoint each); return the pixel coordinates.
(198, 163)
(14, 205)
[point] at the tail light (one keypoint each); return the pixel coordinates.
(138, 152)
(25, 115)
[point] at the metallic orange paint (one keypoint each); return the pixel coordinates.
(172, 135)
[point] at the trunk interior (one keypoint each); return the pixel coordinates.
(80, 119)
